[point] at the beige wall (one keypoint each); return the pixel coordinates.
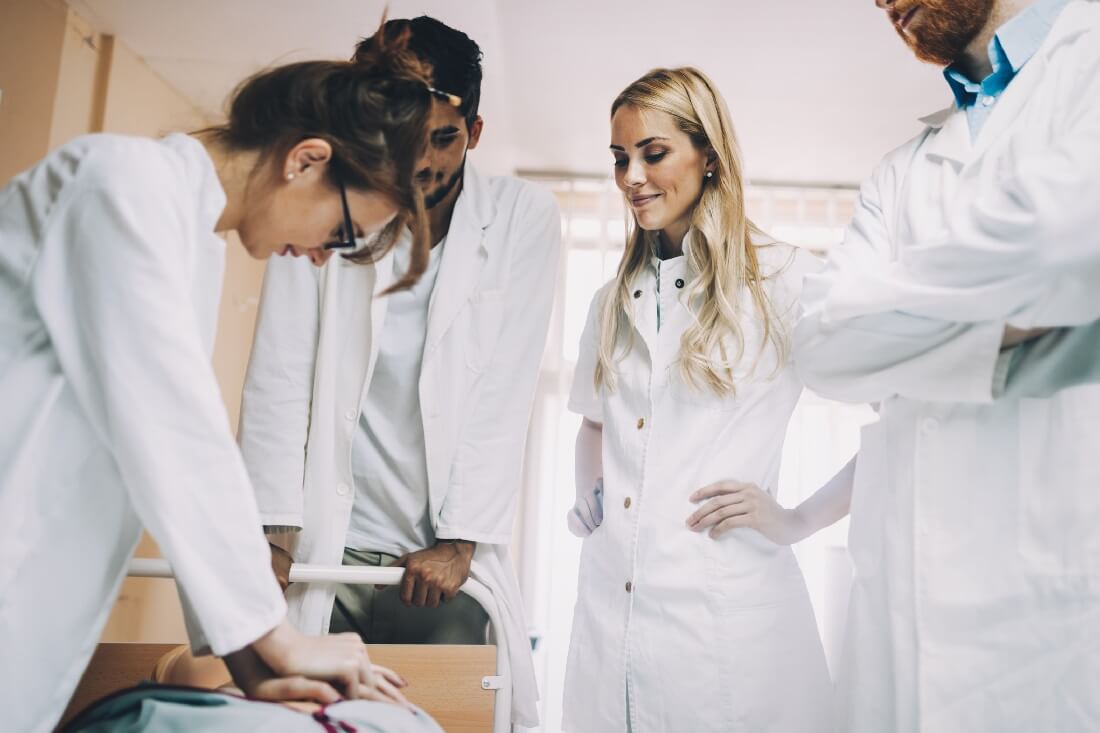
(138, 102)
(61, 78)
(77, 109)
(32, 33)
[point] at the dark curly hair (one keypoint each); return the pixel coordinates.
(454, 58)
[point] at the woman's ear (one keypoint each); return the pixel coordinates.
(712, 160)
(306, 155)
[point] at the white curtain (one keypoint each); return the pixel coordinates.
(821, 437)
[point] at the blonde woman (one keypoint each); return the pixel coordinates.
(688, 617)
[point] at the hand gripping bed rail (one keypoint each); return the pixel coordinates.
(353, 575)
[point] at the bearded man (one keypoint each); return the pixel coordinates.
(964, 303)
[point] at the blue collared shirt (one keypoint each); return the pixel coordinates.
(1013, 46)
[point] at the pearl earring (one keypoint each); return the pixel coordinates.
(710, 174)
(290, 176)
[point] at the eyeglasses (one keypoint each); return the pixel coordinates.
(347, 233)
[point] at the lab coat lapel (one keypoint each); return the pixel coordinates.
(362, 316)
(464, 255)
(951, 142)
(1021, 91)
(933, 178)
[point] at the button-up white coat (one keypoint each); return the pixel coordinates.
(110, 415)
(311, 367)
(976, 599)
(703, 634)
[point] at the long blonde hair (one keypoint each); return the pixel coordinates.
(721, 249)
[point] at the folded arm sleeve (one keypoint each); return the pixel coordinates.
(884, 352)
(1021, 239)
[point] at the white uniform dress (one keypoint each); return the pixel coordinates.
(110, 275)
(698, 634)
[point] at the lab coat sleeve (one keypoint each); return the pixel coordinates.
(885, 352)
(584, 399)
(278, 389)
(113, 290)
(481, 501)
(1021, 241)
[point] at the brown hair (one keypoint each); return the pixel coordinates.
(374, 114)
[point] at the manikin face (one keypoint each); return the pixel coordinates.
(938, 31)
(300, 210)
(439, 170)
(658, 168)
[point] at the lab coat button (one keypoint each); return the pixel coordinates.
(930, 425)
(626, 502)
(343, 490)
(679, 282)
(350, 415)
(637, 294)
(641, 423)
(629, 586)
(988, 101)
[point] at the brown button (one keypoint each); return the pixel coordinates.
(641, 423)
(626, 502)
(629, 586)
(637, 293)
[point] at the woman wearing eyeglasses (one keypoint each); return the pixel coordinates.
(110, 273)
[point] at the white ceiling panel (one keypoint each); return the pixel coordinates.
(818, 89)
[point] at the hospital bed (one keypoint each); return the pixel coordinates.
(466, 688)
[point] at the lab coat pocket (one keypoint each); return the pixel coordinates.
(1059, 502)
(483, 318)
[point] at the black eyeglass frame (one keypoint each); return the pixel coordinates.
(348, 241)
(348, 231)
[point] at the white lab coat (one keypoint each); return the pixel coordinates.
(310, 371)
(976, 598)
(707, 634)
(110, 275)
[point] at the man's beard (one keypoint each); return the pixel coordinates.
(944, 28)
(436, 197)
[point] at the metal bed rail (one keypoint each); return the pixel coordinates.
(501, 683)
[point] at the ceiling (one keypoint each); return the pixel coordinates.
(818, 89)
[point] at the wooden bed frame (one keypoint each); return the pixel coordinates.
(445, 680)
